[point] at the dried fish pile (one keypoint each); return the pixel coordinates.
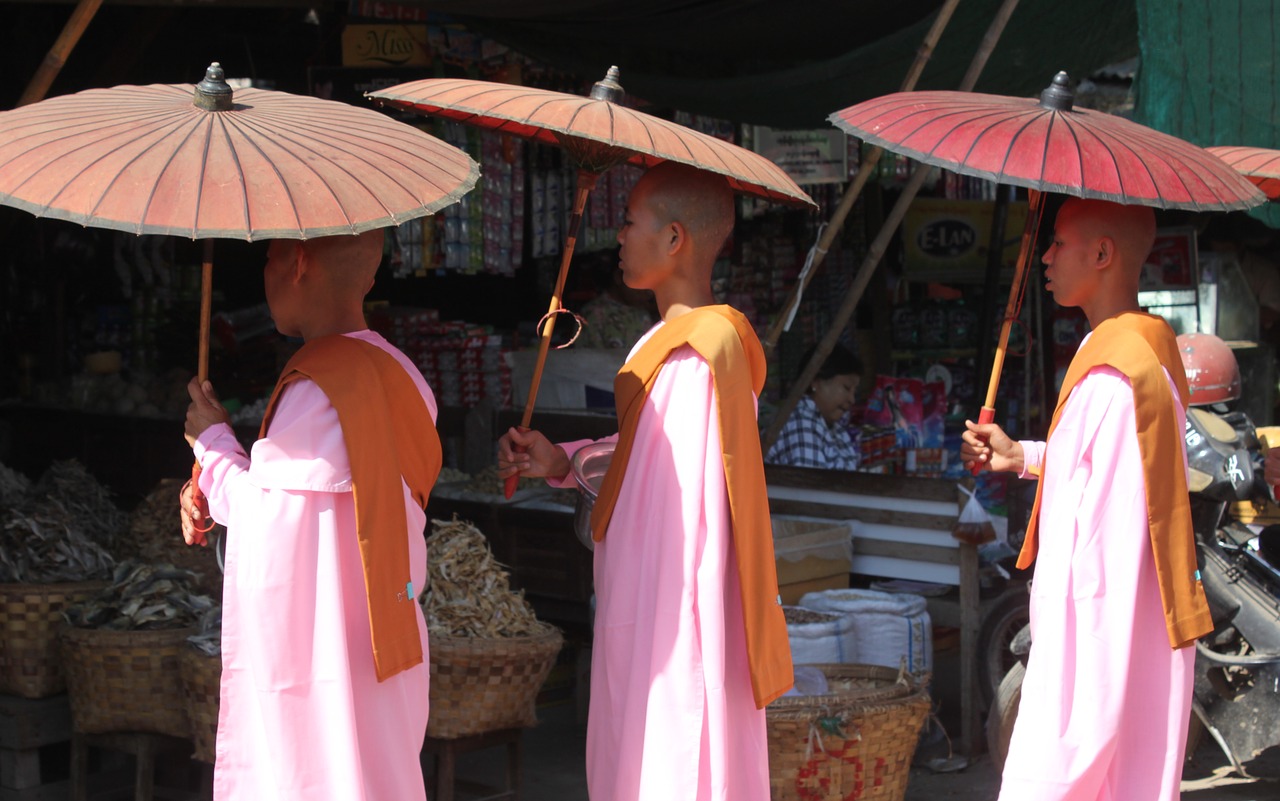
(487, 482)
(67, 488)
(452, 475)
(13, 486)
(39, 545)
(468, 592)
(209, 639)
(142, 597)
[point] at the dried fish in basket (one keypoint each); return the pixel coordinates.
(123, 648)
(489, 653)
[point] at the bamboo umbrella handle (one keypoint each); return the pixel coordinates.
(202, 373)
(54, 60)
(1026, 252)
(586, 182)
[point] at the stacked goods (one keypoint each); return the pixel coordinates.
(155, 535)
(202, 683)
(53, 538)
(123, 646)
(489, 653)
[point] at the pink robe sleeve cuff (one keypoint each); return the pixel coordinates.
(1032, 458)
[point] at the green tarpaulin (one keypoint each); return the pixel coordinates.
(1209, 74)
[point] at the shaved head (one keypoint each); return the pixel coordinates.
(348, 263)
(1131, 228)
(701, 201)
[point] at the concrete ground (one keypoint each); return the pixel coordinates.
(553, 770)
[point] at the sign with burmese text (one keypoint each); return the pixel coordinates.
(809, 157)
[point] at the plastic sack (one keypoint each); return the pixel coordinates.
(974, 525)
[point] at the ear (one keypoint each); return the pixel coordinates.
(1106, 252)
(678, 237)
(301, 262)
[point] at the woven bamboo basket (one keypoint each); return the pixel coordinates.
(201, 688)
(126, 681)
(481, 684)
(30, 617)
(855, 742)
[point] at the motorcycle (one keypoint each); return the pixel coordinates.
(1237, 667)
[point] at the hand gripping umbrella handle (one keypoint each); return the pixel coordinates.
(513, 480)
(985, 415)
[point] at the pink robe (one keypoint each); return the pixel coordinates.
(302, 715)
(672, 716)
(1105, 702)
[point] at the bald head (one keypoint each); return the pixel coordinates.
(347, 263)
(1131, 228)
(701, 201)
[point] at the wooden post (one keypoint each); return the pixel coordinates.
(970, 620)
(57, 55)
(878, 246)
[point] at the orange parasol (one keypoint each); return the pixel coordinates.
(1046, 146)
(200, 162)
(598, 132)
(1259, 164)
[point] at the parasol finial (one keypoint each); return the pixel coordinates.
(609, 89)
(1058, 97)
(213, 93)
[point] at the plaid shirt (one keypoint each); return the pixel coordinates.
(808, 441)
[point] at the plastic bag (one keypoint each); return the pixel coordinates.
(974, 525)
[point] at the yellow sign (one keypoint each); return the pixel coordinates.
(385, 46)
(948, 240)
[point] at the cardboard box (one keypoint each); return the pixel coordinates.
(791, 593)
(385, 46)
(809, 550)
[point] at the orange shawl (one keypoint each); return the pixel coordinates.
(1138, 345)
(389, 434)
(724, 338)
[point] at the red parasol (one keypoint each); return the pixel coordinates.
(598, 133)
(1046, 146)
(195, 161)
(1259, 164)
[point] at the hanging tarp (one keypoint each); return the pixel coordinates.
(789, 65)
(1209, 74)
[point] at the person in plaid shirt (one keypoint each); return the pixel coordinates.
(817, 434)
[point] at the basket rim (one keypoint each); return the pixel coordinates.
(77, 633)
(901, 685)
(30, 586)
(551, 633)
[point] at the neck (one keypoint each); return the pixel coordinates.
(1097, 313)
(330, 325)
(681, 297)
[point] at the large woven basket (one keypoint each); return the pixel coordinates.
(485, 684)
(126, 681)
(855, 742)
(202, 688)
(30, 617)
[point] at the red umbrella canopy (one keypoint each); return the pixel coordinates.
(1259, 164)
(597, 130)
(195, 161)
(1049, 146)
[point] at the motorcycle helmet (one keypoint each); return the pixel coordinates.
(1212, 372)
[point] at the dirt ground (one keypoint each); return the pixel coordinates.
(1206, 777)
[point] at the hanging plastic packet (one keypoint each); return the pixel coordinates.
(974, 525)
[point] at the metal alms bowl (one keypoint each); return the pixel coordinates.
(590, 463)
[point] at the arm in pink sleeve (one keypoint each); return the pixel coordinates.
(570, 448)
(223, 464)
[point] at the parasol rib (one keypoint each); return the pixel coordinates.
(239, 172)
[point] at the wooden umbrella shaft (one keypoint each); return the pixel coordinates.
(54, 60)
(586, 182)
(1025, 254)
(206, 308)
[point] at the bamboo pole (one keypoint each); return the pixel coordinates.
(854, 190)
(56, 58)
(876, 251)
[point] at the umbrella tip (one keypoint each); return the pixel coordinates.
(1058, 96)
(609, 89)
(213, 93)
